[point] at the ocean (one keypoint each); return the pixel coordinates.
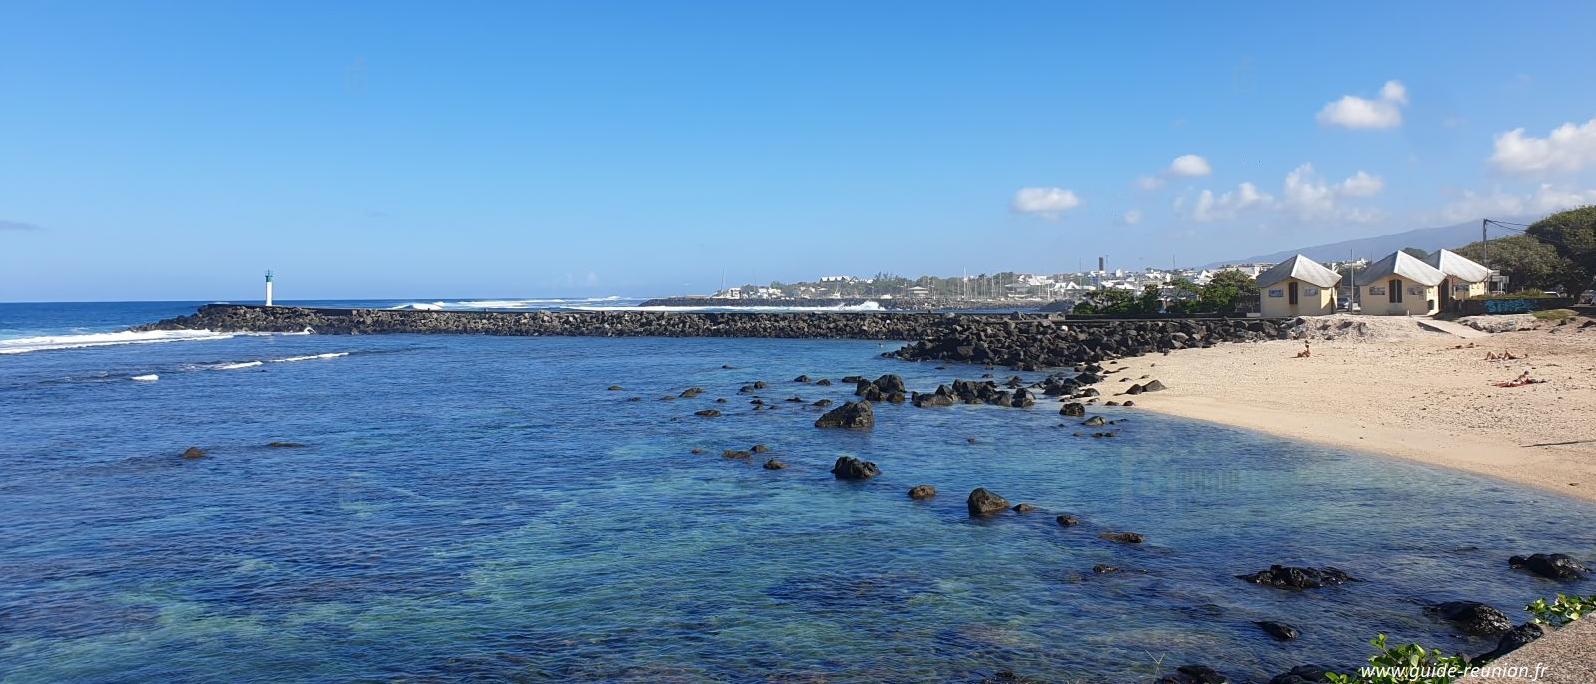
(485, 509)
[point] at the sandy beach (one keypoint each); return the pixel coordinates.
(1404, 392)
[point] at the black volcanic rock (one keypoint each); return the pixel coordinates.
(852, 415)
(1278, 630)
(1549, 565)
(1473, 617)
(850, 468)
(985, 502)
(1291, 577)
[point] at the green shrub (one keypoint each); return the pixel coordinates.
(1406, 664)
(1562, 610)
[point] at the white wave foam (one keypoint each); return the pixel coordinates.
(863, 306)
(236, 366)
(145, 378)
(468, 304)
(312, 357)
(24, 345)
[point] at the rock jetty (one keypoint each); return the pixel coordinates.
(1021, 341)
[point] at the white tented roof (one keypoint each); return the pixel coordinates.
(1302, 268)
(1402, 265)
(1458, 266)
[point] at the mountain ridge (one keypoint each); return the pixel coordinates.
(1377, 246)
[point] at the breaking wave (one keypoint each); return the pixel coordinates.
(24, 345)
(481, 304)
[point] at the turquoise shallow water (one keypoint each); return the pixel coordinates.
(482, 508)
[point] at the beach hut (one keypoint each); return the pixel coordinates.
(1398, 285)
(1464, 278)
(1298, 286)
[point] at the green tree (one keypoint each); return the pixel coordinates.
(1185, 296)
(1149, 302)
(1573, 234)
(1221, 293)
(1526, 261)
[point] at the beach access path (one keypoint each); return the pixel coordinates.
(1419, 395)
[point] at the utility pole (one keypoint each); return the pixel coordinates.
(1485, 244)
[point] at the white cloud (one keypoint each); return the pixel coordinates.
(1304, 195)
(1361, 184)
(1352, 111)
(1190, 165)
(1547, 198)
(1311, 198)
(1569, 148)
(1211, 207)
(1394, 91)
(1047, 202)
(1149, 182)
(1132, 217)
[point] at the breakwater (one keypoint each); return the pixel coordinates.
(1018, 340)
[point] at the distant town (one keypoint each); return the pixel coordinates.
(1171, 285)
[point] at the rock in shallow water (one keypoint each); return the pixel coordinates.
(192, 453)
(1473, 617)
(1549, 565)
(1511, 641)
(1193, 674)
(1291, 577)
(985, 502)
(850, 468)
(774, 464)
(1123, 537)
(920, 492)
(851, 415)
(1302, 674)
(1278, 630)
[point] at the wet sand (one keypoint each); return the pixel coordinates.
(1404, 393)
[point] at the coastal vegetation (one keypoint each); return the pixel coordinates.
(1219, 295)
(1558, 251)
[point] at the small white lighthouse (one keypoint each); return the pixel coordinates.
(268, 288)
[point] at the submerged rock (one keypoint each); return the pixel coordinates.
(1193, 674)
(1068, 520)
(1023, 508)
(1291, 577)
(850, 468)
(691, 392)
(1094, 421)
(1302, 674)
(1511, 641)
(985, 502)
(920, 492)
(1278, 630)
(1123, 537)
(707, 413)
(734, 453)
(1549, 565)
(616, 388)
(759, 449)
(284, 445)
(192, 453)
(774, 464)
(1473, 617)
(852, 415)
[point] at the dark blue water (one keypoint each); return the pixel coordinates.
(482, 508)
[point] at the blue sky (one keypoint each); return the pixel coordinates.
(175, 150)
